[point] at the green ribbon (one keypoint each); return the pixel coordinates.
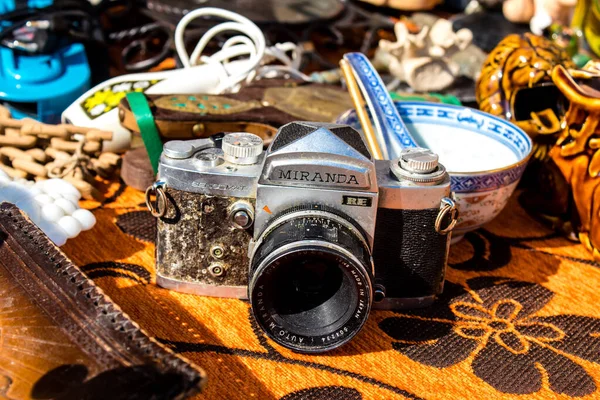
(143, 116)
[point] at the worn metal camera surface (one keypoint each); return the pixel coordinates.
(313, 231)
(202, 243)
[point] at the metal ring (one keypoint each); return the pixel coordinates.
(161, 199)
(448, 206)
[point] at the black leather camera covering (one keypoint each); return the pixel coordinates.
(409, 254)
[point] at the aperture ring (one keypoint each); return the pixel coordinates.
(278, 221)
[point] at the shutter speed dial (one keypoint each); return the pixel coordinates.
(242, 148)
(418, 165)
(418, 160)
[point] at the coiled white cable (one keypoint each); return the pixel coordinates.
(251, 43)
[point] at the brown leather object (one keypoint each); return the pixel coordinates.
(260, 108)
(136, 170)
(61, 337)
(576, 154)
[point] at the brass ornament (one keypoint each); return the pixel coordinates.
(518, 64)
(309, 103)
(576, 152)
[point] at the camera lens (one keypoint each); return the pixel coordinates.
(310, 281)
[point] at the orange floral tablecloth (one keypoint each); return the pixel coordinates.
(519, 316)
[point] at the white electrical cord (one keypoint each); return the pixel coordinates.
(251, 44)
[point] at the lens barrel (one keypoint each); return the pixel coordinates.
(310, 280)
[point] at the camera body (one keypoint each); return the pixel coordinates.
(313, 231)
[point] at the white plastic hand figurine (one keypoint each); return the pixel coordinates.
(52, 205)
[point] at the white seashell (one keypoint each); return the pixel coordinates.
(85, 218)
(44, 199)
(54, 195)
(66, 205)
(53, 231)
(52, 212)
(4, 175)
(70, 225)
(60, 186)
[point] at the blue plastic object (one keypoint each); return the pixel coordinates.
(41, 86)
(10, 5)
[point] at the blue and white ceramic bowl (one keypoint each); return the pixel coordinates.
(484, 155)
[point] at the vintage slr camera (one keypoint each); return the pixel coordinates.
(313, 231)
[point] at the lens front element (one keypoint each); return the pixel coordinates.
(310, 281)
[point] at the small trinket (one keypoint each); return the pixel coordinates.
(407, 5)
(539, 13)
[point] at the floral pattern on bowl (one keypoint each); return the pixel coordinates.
(485, 155)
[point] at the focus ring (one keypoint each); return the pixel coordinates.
(311, 263)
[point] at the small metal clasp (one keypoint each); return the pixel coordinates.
(448, 206)
(160, 207)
